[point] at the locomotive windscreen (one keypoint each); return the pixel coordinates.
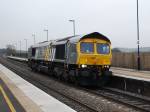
(60, 52)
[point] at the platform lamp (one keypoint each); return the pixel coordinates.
(33, 35)
(26, 46)
(73, 21)
(138, 40)
(16, 48)
(47, 33)
(20, 48)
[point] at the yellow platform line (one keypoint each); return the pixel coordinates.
(7, 100)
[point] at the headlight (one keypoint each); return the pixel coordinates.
(83, 66)
(106, 66)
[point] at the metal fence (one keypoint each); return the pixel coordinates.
(129, 60)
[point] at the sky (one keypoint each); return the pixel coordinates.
(116, 19)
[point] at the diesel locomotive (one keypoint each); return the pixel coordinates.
(83, 59)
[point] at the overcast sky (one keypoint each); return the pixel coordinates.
(116, 19)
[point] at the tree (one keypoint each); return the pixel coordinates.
(10, 50)
(116, 50)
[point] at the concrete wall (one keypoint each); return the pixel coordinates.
(129, 60)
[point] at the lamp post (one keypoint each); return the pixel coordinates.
(26, 47)
(20, 48)
(138, 40)
(15, 46)
(47, 33)
(73, 21)
(15, 49)
(33, 35)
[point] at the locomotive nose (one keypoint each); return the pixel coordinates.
(88, 59)
(94, 60)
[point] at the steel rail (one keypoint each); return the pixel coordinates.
(122, 97)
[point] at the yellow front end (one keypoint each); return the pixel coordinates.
(93, 56)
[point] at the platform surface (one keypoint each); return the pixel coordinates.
(131, 73)
(26, 95)
(17, 58)
(8, 103)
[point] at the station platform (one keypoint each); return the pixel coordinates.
(18, 95)
(18, 58)
(8, 103)
(119, 72)
(131, 73)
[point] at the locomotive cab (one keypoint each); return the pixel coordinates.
(94, 52)
(94, 59)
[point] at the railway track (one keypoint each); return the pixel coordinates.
(137, 102)
(35, 80)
